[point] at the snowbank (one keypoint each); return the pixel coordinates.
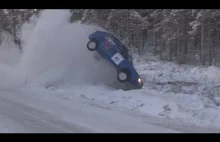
(179, 92)
(170, 77)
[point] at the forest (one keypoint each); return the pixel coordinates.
(186, 36)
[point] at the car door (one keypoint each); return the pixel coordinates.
(109, 47)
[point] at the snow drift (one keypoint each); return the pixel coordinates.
(55, 53)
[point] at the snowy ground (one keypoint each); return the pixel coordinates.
(155, 109)
(56, 64)
(180, 108)
(170, 77)
(179, 93)
(39, 112)
(192, 108)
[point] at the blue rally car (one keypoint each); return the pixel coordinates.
(109, 47)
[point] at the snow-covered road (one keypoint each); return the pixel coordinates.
(18, 117)
(28, 113)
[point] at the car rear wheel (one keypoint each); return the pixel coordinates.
(123, 76)
(92, 45)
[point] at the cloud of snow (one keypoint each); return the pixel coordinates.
(9, 53)
(55, 53)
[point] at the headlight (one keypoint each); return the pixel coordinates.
(139, 80)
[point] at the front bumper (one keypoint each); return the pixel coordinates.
(139, 84)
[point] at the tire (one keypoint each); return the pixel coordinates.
(123, 76)
(92, 45)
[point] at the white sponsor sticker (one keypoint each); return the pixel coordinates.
(117, 58)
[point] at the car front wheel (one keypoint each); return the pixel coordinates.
(92, 45)
(122, 76)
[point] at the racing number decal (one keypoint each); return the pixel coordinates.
(117, 58)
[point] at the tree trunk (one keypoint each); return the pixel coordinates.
(210, 55)
(14, 25)
(171, 47)
(161, 48)
(195, 40)
(185, 45)
(160, 44)
(185, 34)
(180, 44)
(138, 45)
(164, 45)
(210, 45)
(213, 50)
(202, 44)
(175, 48)
(144, 40)
(14, 31)
(155, 43)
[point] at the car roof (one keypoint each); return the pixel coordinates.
(103, 32)
(110, 34)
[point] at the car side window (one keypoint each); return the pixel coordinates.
(123, 49)
(110, 40)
